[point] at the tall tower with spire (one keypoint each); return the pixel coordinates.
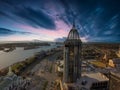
(72, 57)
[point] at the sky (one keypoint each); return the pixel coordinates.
(51, 20)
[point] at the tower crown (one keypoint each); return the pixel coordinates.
(73, 34)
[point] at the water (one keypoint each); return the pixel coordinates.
(8, 58)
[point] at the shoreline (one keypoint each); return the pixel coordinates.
(19, 67)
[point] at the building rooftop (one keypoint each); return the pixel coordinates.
(73, 34)
(88, 79)
(116, 74)
(95, 76)
(116, 60)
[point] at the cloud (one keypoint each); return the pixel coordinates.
(60, 39)
(36, 18)
(94, 18)
(2, 13)
(7, 32)
(26, 12)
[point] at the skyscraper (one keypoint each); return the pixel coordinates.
(72, 57)
(73, 78)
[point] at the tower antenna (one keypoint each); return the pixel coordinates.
(73, 23)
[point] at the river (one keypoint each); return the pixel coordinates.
(19, 54)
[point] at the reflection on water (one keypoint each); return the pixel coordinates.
(8, 58)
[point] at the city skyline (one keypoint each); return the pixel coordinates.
(49, 20)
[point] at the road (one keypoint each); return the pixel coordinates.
(44, 72)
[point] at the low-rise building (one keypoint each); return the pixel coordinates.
(114, 81)
(93, 81)
(59, 67)
(114, 63)
(88, 81)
